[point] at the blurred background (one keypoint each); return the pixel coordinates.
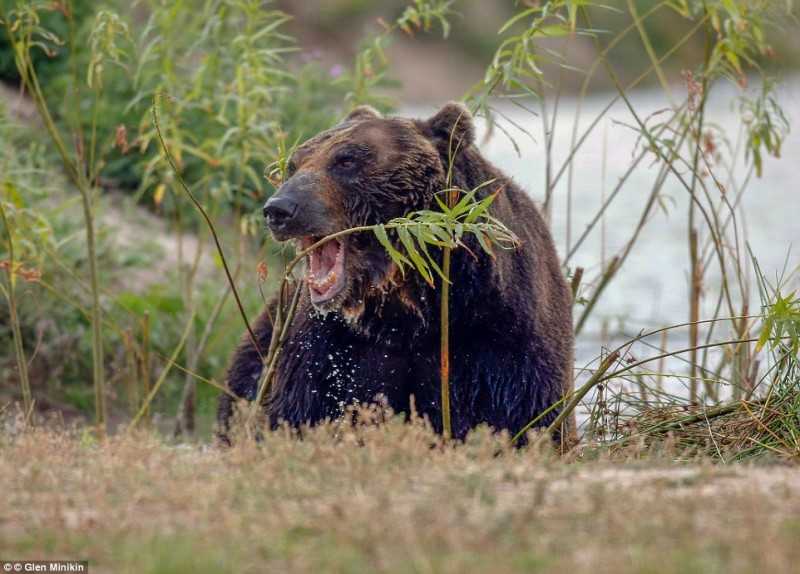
(431, 69)
(244, 81)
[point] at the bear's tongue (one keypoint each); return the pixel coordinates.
(325, 269)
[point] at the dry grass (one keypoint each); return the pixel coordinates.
(382, 499)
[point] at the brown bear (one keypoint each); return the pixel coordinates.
(364, 332)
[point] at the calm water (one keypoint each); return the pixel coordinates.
(651, 290)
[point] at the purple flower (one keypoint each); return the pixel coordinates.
(336, 70)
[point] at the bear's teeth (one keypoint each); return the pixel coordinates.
(313, 259)
(325, 283)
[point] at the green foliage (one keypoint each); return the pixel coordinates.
(108, 33)
(224, 82)
(50, 256)
(447, 227)
(222, 66)
(781, 323)
(517, 61)
(423, 13)
(51, 60)
(369, 73)
(767, 125)
(239, 95)
(24, 186)
(741, 30)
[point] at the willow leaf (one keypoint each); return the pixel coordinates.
(423, 241)
(419, 263)
(485, 245)
(399, 259)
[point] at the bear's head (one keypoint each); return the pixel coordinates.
(366, 170)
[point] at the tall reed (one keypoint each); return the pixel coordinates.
(24, 33)
(10, 293)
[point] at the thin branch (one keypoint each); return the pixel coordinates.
(209, 223)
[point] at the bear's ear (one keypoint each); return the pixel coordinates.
(363, 113)
(454, 121)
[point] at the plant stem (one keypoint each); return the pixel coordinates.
(648, 46)
(447, 430)
(78, 177)
(145, 358)
(184, 419)
(164, 372)
(98, 370)
(577, 142)
(280, 329)
(608, 274)
(578, 395)
(281, 324)
(209, 223)
(631, 366)
(695, 285)
(19, 349)
(663, 355)
(695, 269)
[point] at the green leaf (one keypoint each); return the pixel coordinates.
(423, 241)
(552, 31)
(419, 263)
(399, 259)
(480, 208)
(764, 337)
(442, 205)
(485, 245)
(517, 18)
(13, 195)
(464, 203)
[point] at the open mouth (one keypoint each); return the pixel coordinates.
(325, 271)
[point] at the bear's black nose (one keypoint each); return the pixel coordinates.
(279, 210)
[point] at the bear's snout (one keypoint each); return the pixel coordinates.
(279, 211)
(297, 209)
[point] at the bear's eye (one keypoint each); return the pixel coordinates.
(291, 167)
(345, 162)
